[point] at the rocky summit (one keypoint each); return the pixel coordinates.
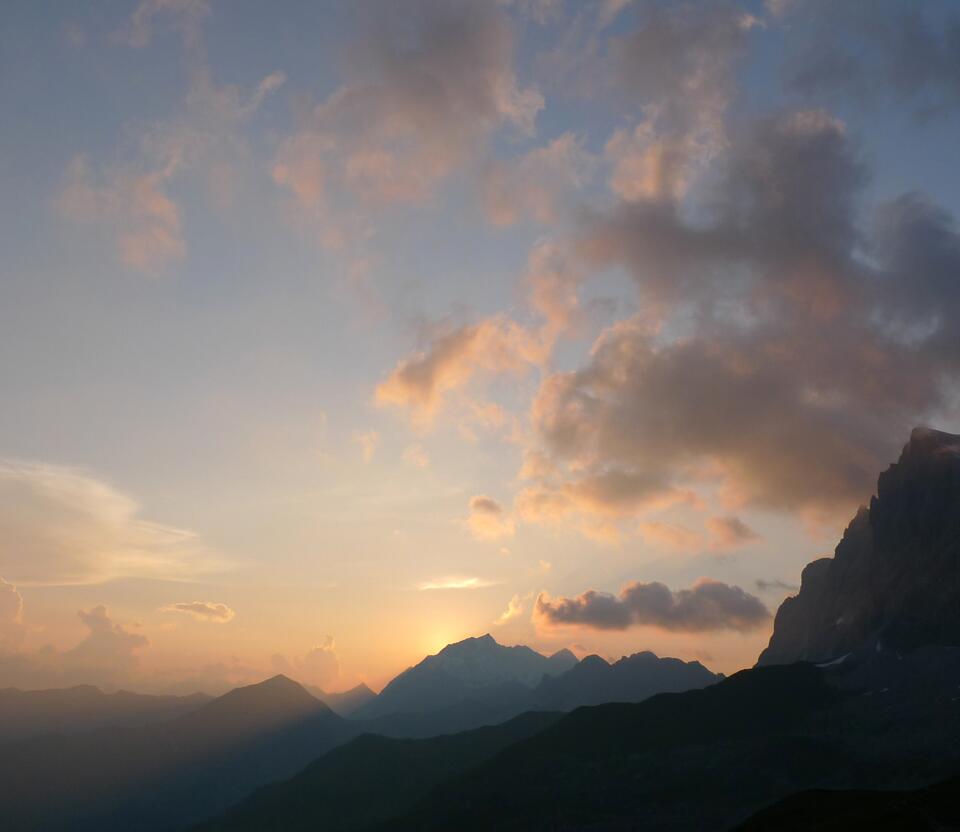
(894, 580)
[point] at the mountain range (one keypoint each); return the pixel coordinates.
(850, 720)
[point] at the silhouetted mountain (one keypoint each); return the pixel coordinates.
(932, 808)
(371, 779)
(167, 775)
(595, 681)
(475, 671)
(708, 759)
(36, 713)
(346, 702)
(894, 580)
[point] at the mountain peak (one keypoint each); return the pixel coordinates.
(927, 442)
(893, 578)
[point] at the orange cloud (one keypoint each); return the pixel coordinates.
(452, 359)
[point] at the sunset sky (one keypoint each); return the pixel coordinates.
(333, 332)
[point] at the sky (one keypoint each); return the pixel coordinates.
(334, 332)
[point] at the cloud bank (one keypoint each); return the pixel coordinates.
(706, 606)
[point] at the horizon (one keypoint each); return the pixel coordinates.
(335, 334)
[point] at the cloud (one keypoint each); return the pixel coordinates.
(535, 186)
(11, 623)
(107, 656)
(319, 666)
(514, 610)
(185, 15)
(135, 203)
(427, 85)
(670, 536)
(368, 442)
(202, 610)
(729, 532)
(488, 520)
(775, 585)
(891, 52)
(707, 606)
(60, 526)
(455, 583)
(679, 63)
(764, 326)
(132, 201)
(452, 358)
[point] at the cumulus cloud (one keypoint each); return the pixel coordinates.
(107, 656)
(427, 86)
(730, 531)
(11, 623)
(765, 325)
(488, 520)
(60, 526)
(707, 606)
(514, 610)
(202, 610)
(679, 63)
(452, 358)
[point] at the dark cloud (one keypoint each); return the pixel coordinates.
(786, 341)
(730, 531)
(708, 605)
(887, 50)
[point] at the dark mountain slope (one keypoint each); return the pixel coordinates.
(371, 779)
(894, 580)
(922, 810)
(707, 759)
(171, 774)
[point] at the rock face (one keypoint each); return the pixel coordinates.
(894, 580)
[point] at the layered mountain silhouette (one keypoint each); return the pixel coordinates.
(850, 718)
(38, 713)
(475, 671)
(344, 703)
(894, 580)
(595, 681)
(372, 779)
(169, 774)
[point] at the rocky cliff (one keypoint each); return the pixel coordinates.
(894, 579)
